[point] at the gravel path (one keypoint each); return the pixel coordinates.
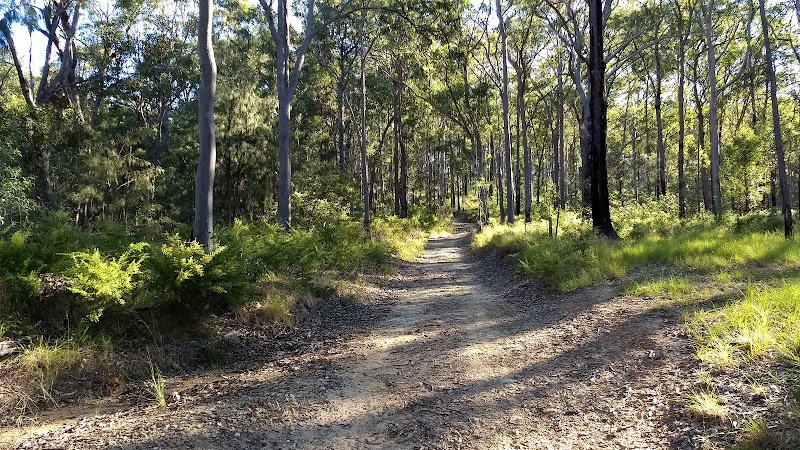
(462, 356)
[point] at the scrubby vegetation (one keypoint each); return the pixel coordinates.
(576, 257)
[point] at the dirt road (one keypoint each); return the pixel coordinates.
(458, 354)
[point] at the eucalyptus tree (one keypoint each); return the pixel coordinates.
(683, 27)
(598, 105)
(203, 228)
(786, 203)
(723, 40)
(58, 21)
(509, 168)
(289, 64)
(528, 42)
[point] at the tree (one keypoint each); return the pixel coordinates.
(601, 210)
(58, 21)
(509, 168)
(203, 228)
(713, 117)
(363, 137)
(684, 30)
(786, 201)
(288, 75)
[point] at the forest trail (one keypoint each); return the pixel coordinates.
(463, 356)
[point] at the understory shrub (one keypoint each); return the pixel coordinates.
(100, 282)
(183, 278)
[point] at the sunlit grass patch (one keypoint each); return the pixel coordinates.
(762, 323)
(45, 363)
(577, 258)
(727, 276)
(659, 287)
(156, 386)
(407, 238)
(509, 238)
(718, 354)
(706, 405)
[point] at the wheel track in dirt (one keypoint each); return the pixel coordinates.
(467, 357)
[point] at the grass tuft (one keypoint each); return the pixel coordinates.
(705, 405)
(46, 363)
(755, 435)
(156, 386)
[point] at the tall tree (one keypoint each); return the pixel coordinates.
(684, 29)
(786, 203)
(365, 186)
(601, 210)
(713, 116)
(509, 168)
(203, 228)
(288, 75)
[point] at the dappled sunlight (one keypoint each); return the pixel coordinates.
(460, 358)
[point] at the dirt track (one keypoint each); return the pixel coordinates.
(457, 354)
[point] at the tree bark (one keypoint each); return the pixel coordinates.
(601, 210)
(403, 187)
(363, 138)
(340, 87)
(681, 112)
(506, 120)
(560, 163)
(203, 229)
(786, 204)
(521, 87)
(661, 150)
(713, 126)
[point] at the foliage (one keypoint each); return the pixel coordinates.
(47, 363)
(101, 282)
(184, 279)
(156, 386)
(705, 405)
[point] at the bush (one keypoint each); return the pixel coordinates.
(101, 282)
(184, 279)
(759, 222)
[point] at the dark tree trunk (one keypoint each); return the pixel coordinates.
(363, 138)
(713, 124)
(662, 158)
(558, 150)
(601, 210)
(508, 166)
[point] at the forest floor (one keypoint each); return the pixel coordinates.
(453, 351)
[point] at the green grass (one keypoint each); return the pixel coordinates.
(706, 405)
(578, 258)
(156, 386)
(45, 363)
(764, 322)
(660, 287)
